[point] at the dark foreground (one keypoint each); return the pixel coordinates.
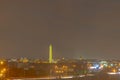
(96, 77)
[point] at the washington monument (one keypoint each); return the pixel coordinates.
(50, 54)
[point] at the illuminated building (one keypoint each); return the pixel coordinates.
(50, 54)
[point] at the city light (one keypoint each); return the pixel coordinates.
(1, 62)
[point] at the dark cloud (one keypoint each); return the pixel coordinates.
(88, 28)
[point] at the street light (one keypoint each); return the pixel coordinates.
(1, 62)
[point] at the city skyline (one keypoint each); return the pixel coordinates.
(75, 28)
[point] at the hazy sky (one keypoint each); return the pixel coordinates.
(88, 28)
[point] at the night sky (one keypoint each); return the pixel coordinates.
(87, 28)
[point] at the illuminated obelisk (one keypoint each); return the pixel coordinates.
(50, 54)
